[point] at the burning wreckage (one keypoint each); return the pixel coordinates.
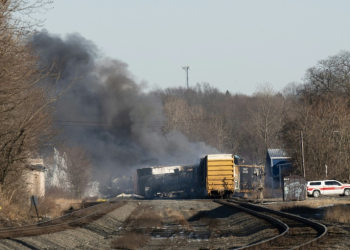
(216, 175)
(164, 181)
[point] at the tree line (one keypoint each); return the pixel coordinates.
(248, 125)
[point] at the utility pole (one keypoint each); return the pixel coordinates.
(260, 174)
(186, 68)
(302, 151)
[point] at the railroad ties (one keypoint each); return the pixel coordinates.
(295, 232)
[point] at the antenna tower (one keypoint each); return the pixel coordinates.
(186, 68)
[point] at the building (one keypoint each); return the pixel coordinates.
(277, 162)
(35, 177)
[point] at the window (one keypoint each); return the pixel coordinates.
(315, 183)
(329, 183)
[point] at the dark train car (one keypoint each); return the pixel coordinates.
(140, 178)
(163, 180)
(247, 178)
(166, 185)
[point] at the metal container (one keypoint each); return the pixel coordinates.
(219, 174)
(248, 178)
(294, 188)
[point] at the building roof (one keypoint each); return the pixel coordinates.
(39, 168)
(277, 153)
(36, 165)
(220, 156)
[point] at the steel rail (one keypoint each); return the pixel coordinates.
(48, 222)
(279, 224)
(40, 228)
(320, 228)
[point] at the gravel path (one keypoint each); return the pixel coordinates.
(182, 224)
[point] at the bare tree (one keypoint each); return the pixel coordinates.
(326, 141)
(78, 169)
(25, 101)
(266, 111)
(330, 76)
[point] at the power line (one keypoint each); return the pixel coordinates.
(141, 123)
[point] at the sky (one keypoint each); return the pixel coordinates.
(232, 45)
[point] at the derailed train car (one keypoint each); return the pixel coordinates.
(164, 181)
(215, 175)
(247, 178)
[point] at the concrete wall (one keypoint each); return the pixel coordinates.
(35, 177)
(35, 182)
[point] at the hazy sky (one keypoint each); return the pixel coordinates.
(233, 45)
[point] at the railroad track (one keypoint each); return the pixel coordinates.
(294, 232)
(74, 219)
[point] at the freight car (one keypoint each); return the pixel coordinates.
(164, 181)
(216, 173)
(247, 178)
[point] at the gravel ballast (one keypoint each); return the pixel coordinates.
(182, 224)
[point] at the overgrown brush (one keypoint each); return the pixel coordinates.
(58, 193)
(14, 209)
(56, 200)
(48, 208)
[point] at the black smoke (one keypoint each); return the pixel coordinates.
(109, 113)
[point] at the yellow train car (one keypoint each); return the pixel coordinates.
(218, 170)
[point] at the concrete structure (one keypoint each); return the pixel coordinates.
(35, 177)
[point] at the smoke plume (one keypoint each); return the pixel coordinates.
(109, 113)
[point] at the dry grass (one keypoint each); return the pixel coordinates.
(130, 240)
(14, 212)
(176, 218)
(332, 209)
(55, 202)
(58, 193)
(9, 211)
(338, 213)
(16, 209)
(312, 203)
(48, 208)
(51, 207)
(65, 204)
(144, 217)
